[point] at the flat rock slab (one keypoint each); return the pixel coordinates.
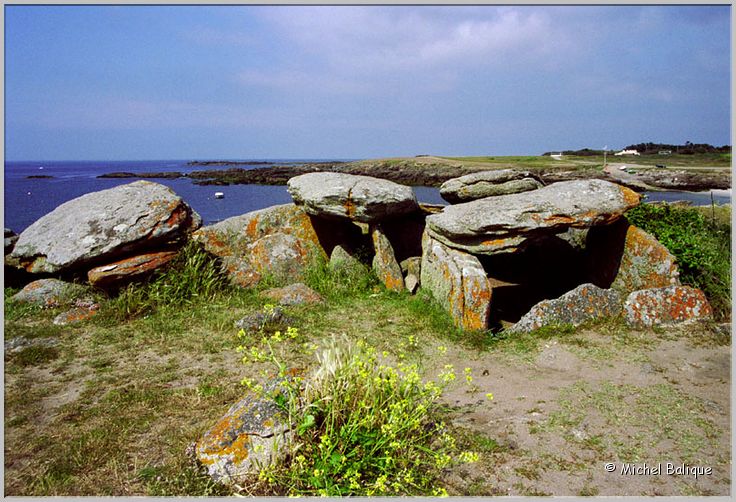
(75, 315)
(666, 306)
(278, 241)
(488, 184)
(458, 282)
(250, 434)
(50, 293)
(294, 294)
(105, 225)
(359, 198)
(502, 224)
(129, 269)
(582, 304)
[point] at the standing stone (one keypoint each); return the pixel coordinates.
(503, 224)
(359, 198)
(666, 306)
(626, 258)
(487, 184)
(584, 303)
(384, 261)
(101, 226)
(342, 259)
(279, 241)
(458, 282)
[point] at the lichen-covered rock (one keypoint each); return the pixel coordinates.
(645, 264)
(342, 259)
(275, 319)
(279, 241)
(294, 294)
(77, 314)
(99, 227)
(250, 435)
(128, 270)
(50, 293)
(487, 184)
(384, 261)
(411, 282)
(359, 198)
(503, 224)
(458, 281)
(666, 306)
(412, 265)
(626, 258)
(584, 303)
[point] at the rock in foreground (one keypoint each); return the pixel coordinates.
(294, 294)
(50, 293)
(502, 224)
(584, 303)
(666, 306)
(486, 184)
(101, 226)
(250, 434)
(359, 198)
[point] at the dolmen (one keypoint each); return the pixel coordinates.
(523, 257)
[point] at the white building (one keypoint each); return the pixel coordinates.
(627, 152)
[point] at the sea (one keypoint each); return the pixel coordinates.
(27, 199)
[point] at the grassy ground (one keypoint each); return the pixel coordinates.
(674, 160)
(112, 406)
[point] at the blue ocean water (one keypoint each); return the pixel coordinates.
(27, 199)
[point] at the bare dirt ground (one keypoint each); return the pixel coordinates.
(633, 400)
(113, 411)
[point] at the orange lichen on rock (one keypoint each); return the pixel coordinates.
(645, 263)
(666, 306)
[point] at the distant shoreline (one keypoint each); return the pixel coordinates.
(429, 171)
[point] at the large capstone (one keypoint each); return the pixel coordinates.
(359, 198)
(458, 282)
(99, 227)
(505, 223)
(487, 184)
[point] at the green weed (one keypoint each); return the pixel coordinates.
(701, 245)
(363, 426)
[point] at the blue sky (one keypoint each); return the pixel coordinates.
(201, 82)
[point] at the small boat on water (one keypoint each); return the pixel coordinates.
(219, 195)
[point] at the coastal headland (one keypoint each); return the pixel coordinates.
(648, 172)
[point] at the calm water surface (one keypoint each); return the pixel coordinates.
(27, 199)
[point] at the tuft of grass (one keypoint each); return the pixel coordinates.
(193, 276)
(35, 355)
(341, 283)
(701, 245)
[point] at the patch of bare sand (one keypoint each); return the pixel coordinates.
(561, 416)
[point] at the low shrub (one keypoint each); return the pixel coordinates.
(701, 245)
(361, 425)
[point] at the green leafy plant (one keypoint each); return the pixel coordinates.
(361, 425)
(701, 245)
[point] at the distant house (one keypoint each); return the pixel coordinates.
(627, 152)
(665, 152)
